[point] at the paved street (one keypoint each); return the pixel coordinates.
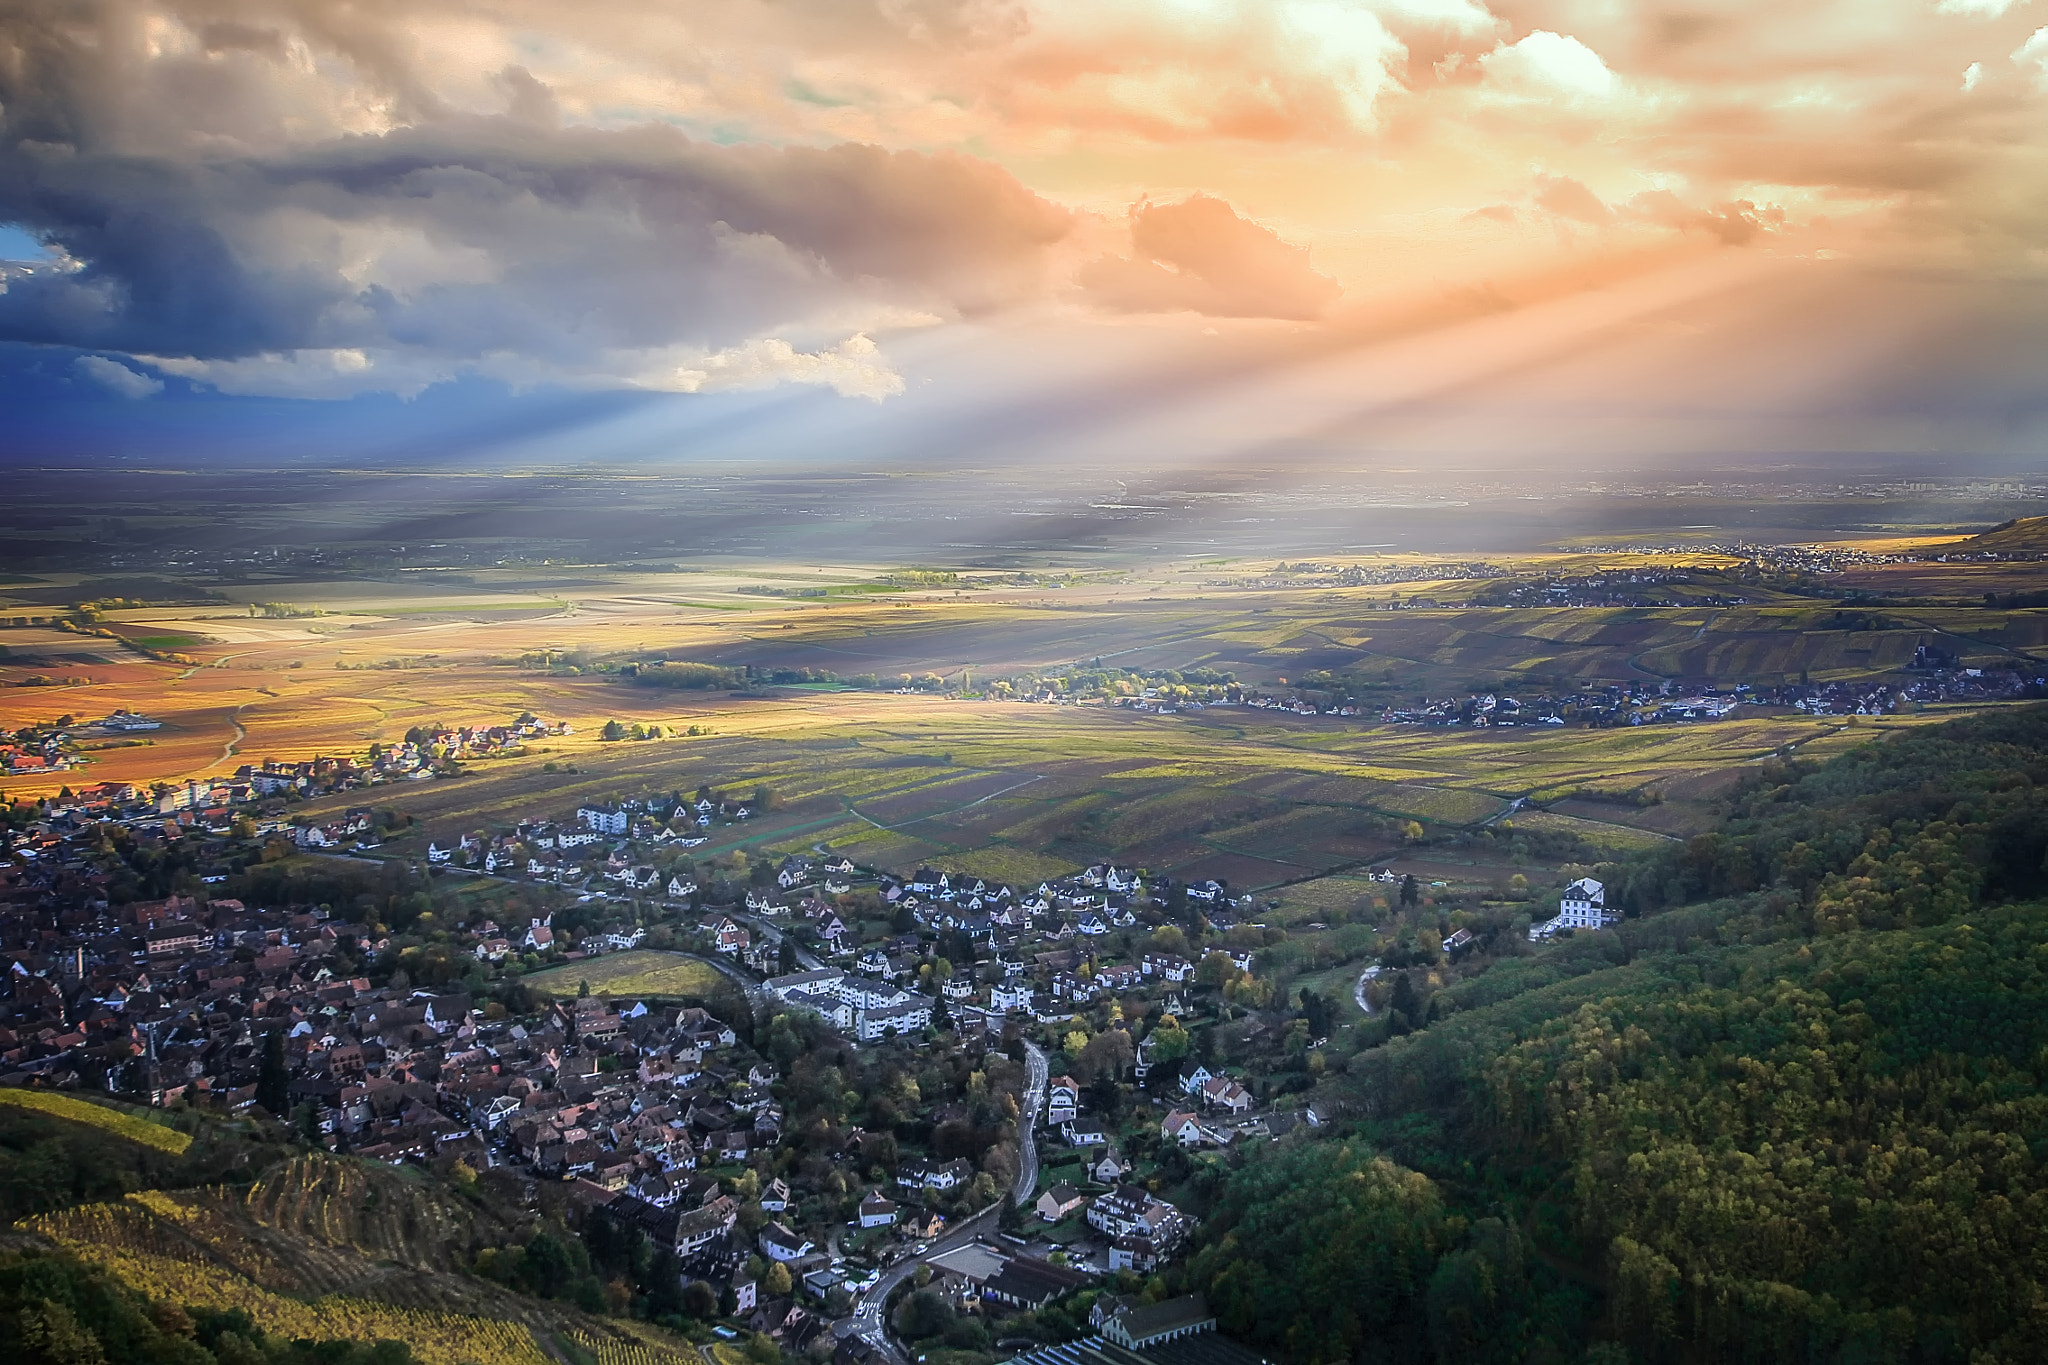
(805, 958)
(868, 1320)
(1037, 1073)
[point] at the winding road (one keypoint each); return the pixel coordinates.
(870, 1320)
(1358, 989)
(1036, 1074)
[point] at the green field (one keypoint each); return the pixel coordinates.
(642, 971)
(1020, 792)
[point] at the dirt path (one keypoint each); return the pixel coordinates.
(969, 805)
(229, 749)
(1358, 988)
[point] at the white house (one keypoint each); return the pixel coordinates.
(1010, 995)
(778, 1243)
(1583, 906)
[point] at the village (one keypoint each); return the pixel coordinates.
(1012, 1091)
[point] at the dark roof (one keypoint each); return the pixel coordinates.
(1170, 1316)
(1035, 1282)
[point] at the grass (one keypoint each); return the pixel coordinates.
(1610, 840)
(112, 1121)
(640, 971)
(1329, 895)
(1019, 866)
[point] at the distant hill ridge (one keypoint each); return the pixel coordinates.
(2021, 535)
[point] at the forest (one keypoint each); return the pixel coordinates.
(1790, 1109)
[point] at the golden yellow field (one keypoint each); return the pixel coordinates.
(98, 1116)
(394, 654)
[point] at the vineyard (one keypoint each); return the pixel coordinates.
(98, 1116)
(613, 1351)
(326, 1248)
(372, 1212)
(172, 1252)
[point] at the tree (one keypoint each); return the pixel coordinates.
(1105, 1055)
(1405, 1008)
(777, 1280)
(1411, 891)
(273, 1079)
(1316, 1010)
(1170, 938)
(613, 731)
(700, 1300)
(1478, 1296)
(1168, 1042)
(923, 1313)
(1297, 1231)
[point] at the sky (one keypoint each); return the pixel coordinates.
(1162, 232)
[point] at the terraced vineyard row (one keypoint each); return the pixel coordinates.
(145, 1248)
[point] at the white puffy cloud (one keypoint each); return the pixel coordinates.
(1978, 9)
(1548, 65)
(2034, 53)
(113, 375)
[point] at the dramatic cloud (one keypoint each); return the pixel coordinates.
(317, 198)
(1200, 256)
(469, 242)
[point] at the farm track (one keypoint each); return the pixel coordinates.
(940, 815)
(235, 744)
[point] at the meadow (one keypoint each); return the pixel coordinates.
(636, 972)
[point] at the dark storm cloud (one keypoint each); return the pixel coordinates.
(195, 228)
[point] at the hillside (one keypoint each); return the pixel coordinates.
(1792, 1107)
(57, 1150)
(326, 1248)
(2021, 535)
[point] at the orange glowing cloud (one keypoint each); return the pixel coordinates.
(323, 198)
